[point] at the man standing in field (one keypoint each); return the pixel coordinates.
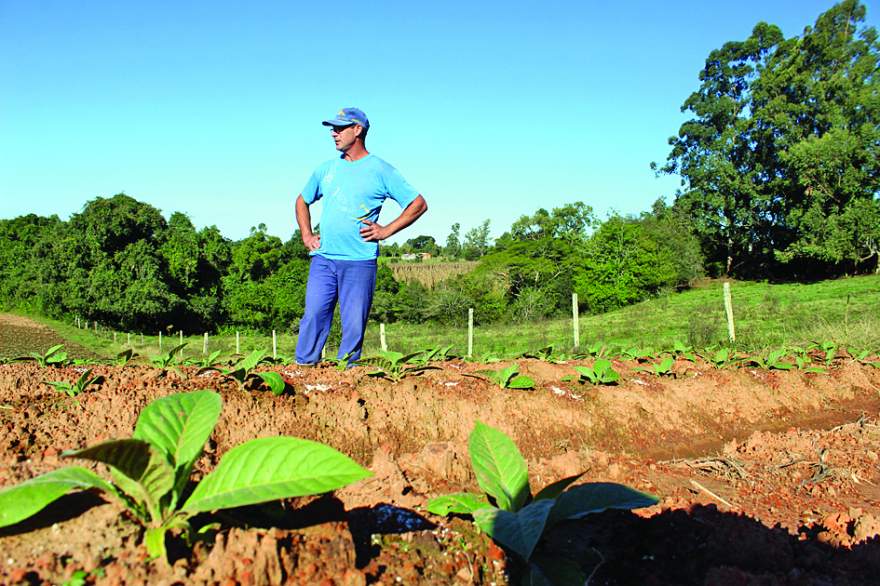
(343, 266)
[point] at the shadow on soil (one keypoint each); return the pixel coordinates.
(705, 546)
(363, 522)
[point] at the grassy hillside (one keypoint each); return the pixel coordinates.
(845, 311)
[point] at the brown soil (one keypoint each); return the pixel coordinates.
(764, 477)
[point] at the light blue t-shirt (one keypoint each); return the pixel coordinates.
(353, 191)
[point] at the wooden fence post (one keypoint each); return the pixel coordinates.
(575, 325)
(382, 342)
(470, 351)
(237, 344)
(160, 340)
(274, 346)
(728, 308)
(205, 344)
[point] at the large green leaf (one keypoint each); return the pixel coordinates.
(180, 424)
(596, 497)
(274, 381)
(248, 363)
(518, 531)
(500, 469)
(551, 491)
(141, 470)
(28, 498)
(271, 468)
(521, 382)
(463, 503)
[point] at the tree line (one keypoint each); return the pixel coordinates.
(780, 169)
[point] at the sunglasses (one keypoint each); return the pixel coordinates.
(340, 129)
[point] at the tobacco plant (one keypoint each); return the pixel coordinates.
(722, 358)
(75, 388)
(829, 349)
(601, 373)
(438, 354)
(861, 356)
(509, 378)
(804, 361)
(167, 361)
(662, 368)
(637, 354)
(393, 365)
(597, 349)
(513, 516)
(773, 361)
(243, 370)
(681, 350)
(150, 472)
(545, 354)
(209, 362)
(52, 357)
(124, 357)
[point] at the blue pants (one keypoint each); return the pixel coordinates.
(351, 282)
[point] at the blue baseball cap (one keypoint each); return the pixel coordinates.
(348, 116)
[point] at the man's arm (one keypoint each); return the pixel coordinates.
(373, 232)
(304, 219)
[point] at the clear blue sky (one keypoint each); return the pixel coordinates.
(491, 109)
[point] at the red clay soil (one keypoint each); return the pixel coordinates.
(764, 477)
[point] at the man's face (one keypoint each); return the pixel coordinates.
(344, 136)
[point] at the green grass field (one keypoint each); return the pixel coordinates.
(844, 311)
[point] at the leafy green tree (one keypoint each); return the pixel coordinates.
(569, 222)
(247, 298)
(453, 242)
(476, 241)
(423, 244)
(782, 152)
(622, 264)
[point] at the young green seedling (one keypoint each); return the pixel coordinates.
(721, 358)
(545, 354)
(774, 361)
(510, 514)
(438, 354)
(124, 357)
(637, 354)
(597, 349)
(861, 356)
(340, 364)
(52, 357)
(150, 472)
(680, 350)
(167, 361)
(601, 373)
(829, 349)
(803, 361)
(509, 378)
(74, 389)
(209, 362)
(394, 365)
(664, 367)
(243, 370)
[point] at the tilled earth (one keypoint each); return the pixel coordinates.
(764, 477)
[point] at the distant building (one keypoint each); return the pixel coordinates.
(412, 257)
